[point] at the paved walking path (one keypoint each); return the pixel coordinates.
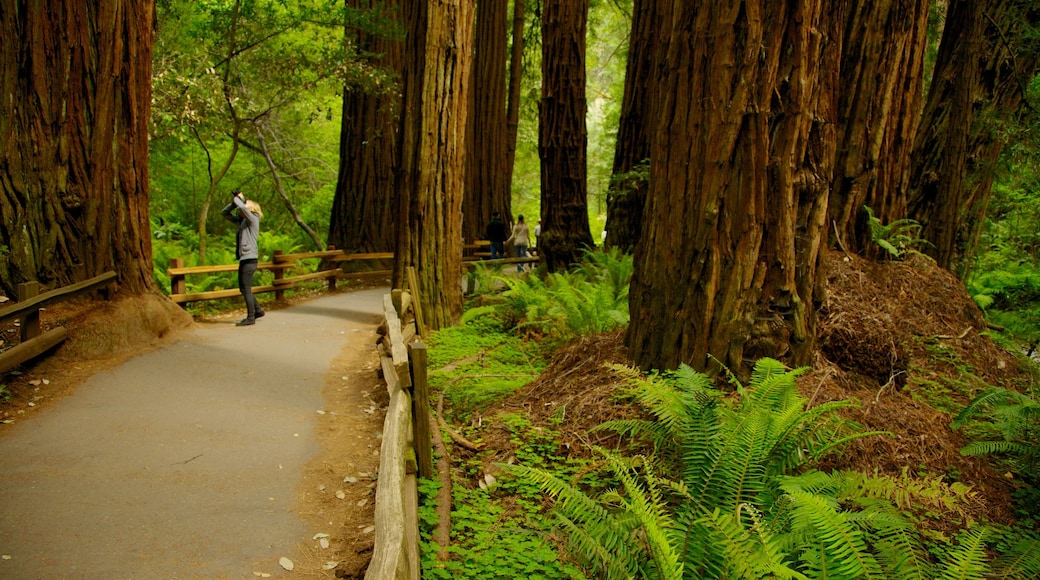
(183, 462)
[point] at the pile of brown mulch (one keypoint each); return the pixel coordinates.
(879, 331)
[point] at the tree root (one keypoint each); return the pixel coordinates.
(442, 533)
(456, 437)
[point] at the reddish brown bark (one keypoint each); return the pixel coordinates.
(364, 209)
(74, 124)
(487, 181)
(562, 137)
(881, 90)
(727, 266)
(986, 57)
(630, 176)
(433, 145)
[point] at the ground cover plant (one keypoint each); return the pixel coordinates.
(632, 487)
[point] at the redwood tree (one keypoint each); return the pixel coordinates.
(74, 126)
(629, 177)
(881, 94)
(364, 209)
(562, 137)
(988, 54)
(487, 181)
(740, 157)
(433, 145)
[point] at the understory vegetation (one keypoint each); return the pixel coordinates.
(708, 477)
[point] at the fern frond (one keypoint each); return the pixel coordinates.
(1022, 561)
(734, 552)
(991, 447)
(842, 549)
(967, 560)
(993, 396)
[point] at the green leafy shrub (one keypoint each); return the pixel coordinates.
(591, 298)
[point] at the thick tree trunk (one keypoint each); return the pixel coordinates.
(437, 68)
(630, 177)
(562, 137)
(881, 91)
(364, 208)
(487, 181)
(985, 60)
(516, 59)
(740, 158)
(74, 123)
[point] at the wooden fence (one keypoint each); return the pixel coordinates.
(329, 269)
(32, 340)
(406, 449)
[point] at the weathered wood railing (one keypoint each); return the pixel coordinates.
(32, 340)
(406, 449)
(329, 269)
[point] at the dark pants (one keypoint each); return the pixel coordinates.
(498, 250)
(246, 269)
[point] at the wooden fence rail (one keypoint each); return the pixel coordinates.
(329, 270)
(395, 553)
(33, 341)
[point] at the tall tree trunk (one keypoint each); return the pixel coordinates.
(364, 208)
(516, 59)
(487, 181)
(985, 60)
(74, 124)
(433, 137)
(740, 158)
(562, 137)
(626, 194)
(878, 113)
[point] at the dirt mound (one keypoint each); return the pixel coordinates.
(885, 330)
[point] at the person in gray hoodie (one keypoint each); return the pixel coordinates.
(246, 214)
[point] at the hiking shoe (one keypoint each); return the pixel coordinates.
(245, 322)
(260, 314)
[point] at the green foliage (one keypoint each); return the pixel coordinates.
(1011, 427)
(488, 540)
(474, 365)
(591, 298)
(748, 505)
(897, 238)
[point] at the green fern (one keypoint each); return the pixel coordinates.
(897, 238)
(967, 560)
(1015, 419)
(1020, 561)
(730, 514)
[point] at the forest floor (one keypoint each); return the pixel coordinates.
(903, 338)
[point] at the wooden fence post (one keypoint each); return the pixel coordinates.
(421, 409)
(178, 282)
(279, 273)
(31, 320)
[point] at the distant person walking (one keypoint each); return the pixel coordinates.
(497, 234)
(246, 214)
(537, 234)
(520, 238)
